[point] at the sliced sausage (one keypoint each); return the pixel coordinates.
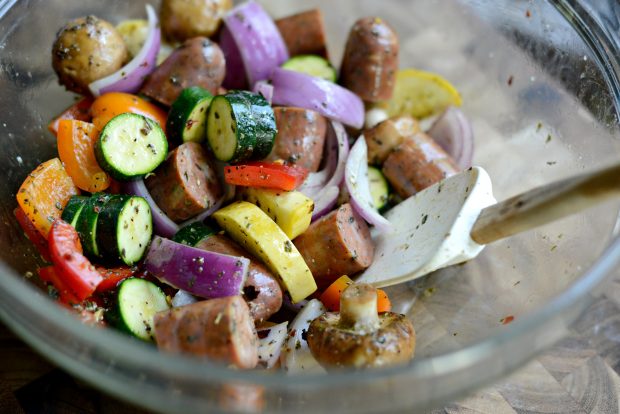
(387, 135)
(87, 49)
(304, 33)
(183, 19)
(300, 138)
(417, 163)
(261, 289)
(335, 245)
(186, 183)
(370, 60)
(220, 329)
(198, 62)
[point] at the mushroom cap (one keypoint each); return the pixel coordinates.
(335, 346)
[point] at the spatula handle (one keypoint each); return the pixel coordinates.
(545, 204)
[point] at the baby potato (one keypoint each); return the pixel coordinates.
(183, 19)
(87, 49)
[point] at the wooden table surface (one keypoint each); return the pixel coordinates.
(580, 374)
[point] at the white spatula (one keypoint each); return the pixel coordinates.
(451, 221)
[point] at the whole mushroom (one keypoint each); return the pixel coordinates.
(358, 337)
(87, 49)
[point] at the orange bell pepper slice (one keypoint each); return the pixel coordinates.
(44, 194)
(76, 148)
(79, 111)
(331, 296)
(111, 104)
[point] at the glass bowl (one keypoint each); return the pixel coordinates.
(540, 83)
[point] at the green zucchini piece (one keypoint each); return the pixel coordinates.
(240, 126)
(312, 65)
(137, 302)
(73, 209)
(86, 224)
(193, 233)
(131, 146)
(125, 228)
(379, 188)
(265, 124)
(187, 120)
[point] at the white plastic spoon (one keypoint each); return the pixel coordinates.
(451, 221)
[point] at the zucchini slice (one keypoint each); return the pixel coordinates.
(138, 301)
(193, 233)
(379, 188)
(187, 120)
(125, 228)
(240, 126)
(73, 209)
(86, 224)
(312, 65)
(131, 146)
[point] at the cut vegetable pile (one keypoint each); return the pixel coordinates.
(200, 187)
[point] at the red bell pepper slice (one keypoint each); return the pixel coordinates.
(33, 234)
(266, 174)
(48, 274)
(72, 267)
(112, 277)
(79, 111)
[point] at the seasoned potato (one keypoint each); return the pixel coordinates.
(183, 19)
(87, 49)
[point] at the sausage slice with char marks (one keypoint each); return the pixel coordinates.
(220, 329)
(304, 33)
(198, 62)
(370, 60)
(335, 245)
(417, 163)
(186, 183)
(300, 138)
(261, 289)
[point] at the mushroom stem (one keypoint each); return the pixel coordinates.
(358, 307)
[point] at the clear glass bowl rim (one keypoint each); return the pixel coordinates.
(605, 46)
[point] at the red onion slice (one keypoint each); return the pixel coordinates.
(264, 88)
(235, 74)
(323, 186)
(199, 272)
(130, 77)
(258, 39)
(162, 224)
(325, 201)
(453, 132)
(356, 179)
(292, 88)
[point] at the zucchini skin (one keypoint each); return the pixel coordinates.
(72, 210)
(265, 128)
(88, 221)
(254, 126)
(193, 233)
(180, 121)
